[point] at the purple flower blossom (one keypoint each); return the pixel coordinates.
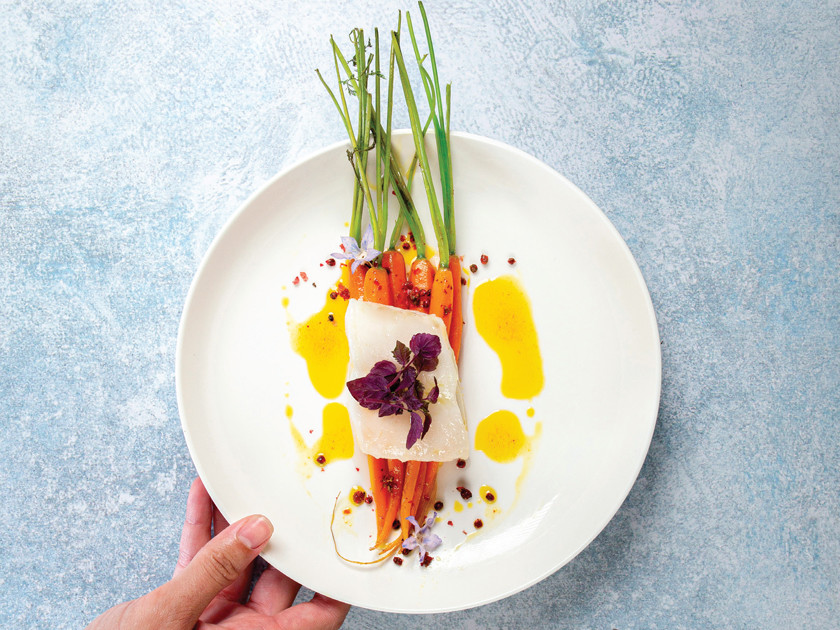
(358, 253)
(422, 539)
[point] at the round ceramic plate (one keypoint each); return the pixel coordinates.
(243, 393)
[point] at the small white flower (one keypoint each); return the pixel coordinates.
(422, 538)
(358, 254)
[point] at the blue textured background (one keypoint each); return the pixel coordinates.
(708, 132)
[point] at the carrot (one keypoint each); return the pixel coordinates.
(394, 262)
(429, 489)
(440, 302)
(418, 490)
(421, 278)
(396, 474)
(456, 328)
(377, 287)
(412, 480)
(378, 471)
(357, 282)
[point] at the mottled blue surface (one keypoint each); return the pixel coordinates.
(709, 132)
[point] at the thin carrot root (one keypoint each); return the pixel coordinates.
(335, 543)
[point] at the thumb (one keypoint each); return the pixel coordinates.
(216, 566)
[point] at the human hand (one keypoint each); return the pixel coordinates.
(211, 581)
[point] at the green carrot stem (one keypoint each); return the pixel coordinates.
(360, 144)
(377, 137)
(432, 88)
(409, 179)
(449, 208)
(417, 133)
(407, 209)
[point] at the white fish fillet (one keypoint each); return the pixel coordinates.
(372, 332)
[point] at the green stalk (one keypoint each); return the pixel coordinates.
(377, 139)
(417, 133)
(383, 164)
(432, 88)
(360, 143)
(449, 208)
(407, 210)
(412, 167)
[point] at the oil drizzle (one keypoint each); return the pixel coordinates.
(503, 318)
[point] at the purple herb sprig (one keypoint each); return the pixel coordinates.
(393, 388)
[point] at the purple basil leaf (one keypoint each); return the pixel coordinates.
(425, 345)
(370, 391)
(389, 409)
(401, 353)
(415, 431)
(409, 378)
(433, 395)
(427, 423)
(385, 369)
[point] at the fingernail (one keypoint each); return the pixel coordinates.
(255, 532)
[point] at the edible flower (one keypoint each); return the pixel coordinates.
(393, 390)
(359, 254)
(422, 539)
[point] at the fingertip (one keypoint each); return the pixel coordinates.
(255, 531)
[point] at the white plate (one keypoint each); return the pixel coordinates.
(236, 373)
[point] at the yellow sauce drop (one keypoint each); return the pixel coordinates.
(486, 492)
(503, 318)
(458, 507)
(289, 412)
(500, 436)
(530, 412)
(336, 441)
(323, 345)
(285, 302)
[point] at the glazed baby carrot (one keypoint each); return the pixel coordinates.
(357, 282)
(377, 286)
(421, 278)
(456, 326)
(440, 302)
(429, 490)
(393, 261)
(394, 485)
(378, 471)
(412, 480)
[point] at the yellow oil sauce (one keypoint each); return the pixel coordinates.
(336, 441)
(322, 343)
(500, 436)
(503, 318)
